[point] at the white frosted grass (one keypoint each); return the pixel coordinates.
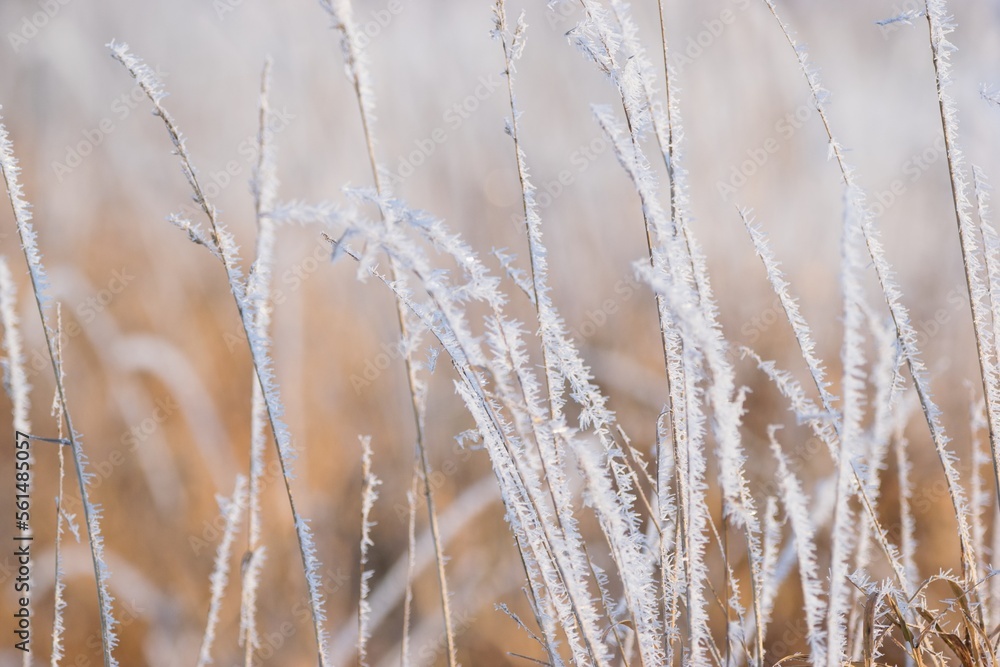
(358, 74)
(691, 455)
(59, 586)
(772, 554)
(634, 92)
(884, 376)
(14, 377)
(801, 406)
(990, 94)
(564, 363)
(523, 411)
(223, 245)
(264, 186)
(355, 65)
(980, 498)
(248, 598)
(231, 510)
(991, 256)
(22, 217)
(561, 363)
(781, 286)
(695, 315)
(62, 518)
(907, 523)
(940, 26)
(827, 430)
(634, 563)
(528, 513)
(906, 334)
(411, 566)
(39, 283)
(633, 80)
(844, 535)
(369, 495)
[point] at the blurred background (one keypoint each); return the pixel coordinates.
(159, 376)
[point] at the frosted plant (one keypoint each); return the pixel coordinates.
(232, 510)
(803, 335)
(671, 244)
(264, 187)
(884, 376)
(528, 512)
(991, 257)
(980, 498)
(457, 333)
(667, 132)
(941, 26)
(908, 540)
(623, 564)
(990, 94)
(826, 423)
(771, 558)
(695, 316)
(562, 364)
(635, 568)
(62, 519)
(686, 394)
(906, 18)
(411, 562)
(39, 284)
(906, 334)
(852, 358)
(356, 69)
(368, 496)
(14, 377)
(221, 242)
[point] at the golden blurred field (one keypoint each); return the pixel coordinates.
(158, 372)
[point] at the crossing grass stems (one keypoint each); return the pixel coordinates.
(646, 591)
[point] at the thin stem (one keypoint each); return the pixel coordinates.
(341, 12)
(905, 332)
(223, 247)
(36, 273)
(264, 187)
(967, 244)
